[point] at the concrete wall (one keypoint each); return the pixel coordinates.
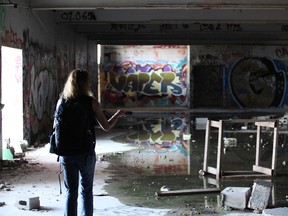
(52, 47)
(145, 76)
(222, 76)
(239, 76)
(47, 58)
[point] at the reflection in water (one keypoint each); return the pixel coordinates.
(163, 146)
(169, 152)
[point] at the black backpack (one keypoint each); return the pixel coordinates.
(73, 132)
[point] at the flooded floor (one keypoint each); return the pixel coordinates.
(168, 152)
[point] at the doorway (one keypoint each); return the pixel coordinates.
(12, 98)
(208, 86)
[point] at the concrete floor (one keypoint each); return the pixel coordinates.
(38, 178)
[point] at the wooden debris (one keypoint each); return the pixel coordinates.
(187, 192)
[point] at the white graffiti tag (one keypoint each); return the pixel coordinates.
(42, 91)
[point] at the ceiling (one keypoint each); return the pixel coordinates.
(156, 4)
(139, 11)
(263, 19)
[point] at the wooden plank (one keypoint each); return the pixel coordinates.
(242, 174)
(249, 120)
(264, 170)
(252, 175)
(270, 124)
(274, 151)
(206, 148)
(213, 182)
(220, 139)
(211, 170)
(258, 140)
(215, 124)
(238, 172)
(187, 192)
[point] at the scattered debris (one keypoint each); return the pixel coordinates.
(24, 145)
(242, 197)
(3, 186)
(201, 173)
(235, 197)
(187, 192)
(101, 158)
(230, 142)
(29, 204)
(260, 195)
(164, 188)
(193, 210)
(186, 136)
(12, 164)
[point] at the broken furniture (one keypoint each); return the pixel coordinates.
(257, 170)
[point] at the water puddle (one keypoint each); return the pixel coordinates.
(168, 154)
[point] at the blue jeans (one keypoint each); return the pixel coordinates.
(72, 167)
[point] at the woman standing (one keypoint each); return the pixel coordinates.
(77, 87)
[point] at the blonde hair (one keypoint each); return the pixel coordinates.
(77, 84)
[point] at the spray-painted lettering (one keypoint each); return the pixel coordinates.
(127, 27)
(168, 27)
(78, 16)
(220, 27)
(42, 91)
(151, 84)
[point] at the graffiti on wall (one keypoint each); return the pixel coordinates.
(221, 27)
(257, 83)
(251, 76)
(145, 82)
(11, 39)
(127, 27)
(137, 81)
(39, 88)
(62, 64)
(281, 52)
(42, 91)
